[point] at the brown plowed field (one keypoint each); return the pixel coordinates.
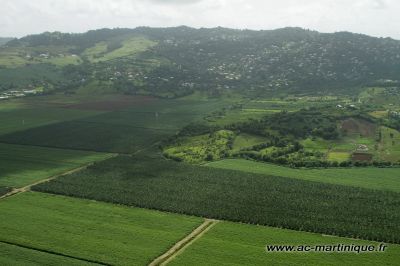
(358, 126)
(363, 157)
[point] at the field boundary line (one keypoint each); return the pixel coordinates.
(28, 187)
(54, 253)
(181, 245)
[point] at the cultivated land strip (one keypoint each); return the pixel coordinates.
(55, 253)
(184, 243)
(28, 187)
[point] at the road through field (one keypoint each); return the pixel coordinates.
(180, 246)
(28, 187)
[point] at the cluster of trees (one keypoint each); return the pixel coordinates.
(297, 125)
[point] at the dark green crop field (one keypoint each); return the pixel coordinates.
(122, 131)
(4, 190)
(81, 135)
(237, 196)
(23, 165)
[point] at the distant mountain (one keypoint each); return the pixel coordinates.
(176, 61)
(4, 40)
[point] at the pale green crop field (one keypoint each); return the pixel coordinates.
(372, 178)
(91, 230)
(241, 244)
(15, 256)
(23, 165)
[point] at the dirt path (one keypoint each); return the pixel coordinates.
(28, 187)
(180, 246)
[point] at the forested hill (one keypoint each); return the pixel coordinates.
(4, 40)
(173, 62)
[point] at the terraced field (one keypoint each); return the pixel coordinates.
(87, 230)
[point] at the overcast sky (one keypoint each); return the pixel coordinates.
(373, 17)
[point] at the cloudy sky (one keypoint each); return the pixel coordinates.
(373, 17)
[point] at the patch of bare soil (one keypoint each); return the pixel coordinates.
(358, 126)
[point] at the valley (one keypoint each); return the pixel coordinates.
(179, 146)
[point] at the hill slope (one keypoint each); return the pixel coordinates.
(177, 61)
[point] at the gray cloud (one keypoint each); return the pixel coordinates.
(373, 17)
(175, 2)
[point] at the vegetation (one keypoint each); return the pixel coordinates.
(237, 196)
(15, 255)
(22, 118)
(135, 126)
(327, 136)
(174, 62)
(90, 230)
(365, 177)
(24, 165)
(239, 244)
(4, 190)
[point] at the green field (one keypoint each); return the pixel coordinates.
(81, 135)
(124, 131)
(11, 255)
(129, 47)
(4, 190)
(246, 140)
(157, 183)
(371, 178)
(22, 117)
(24, 165)
(239, 244)
(90, 230)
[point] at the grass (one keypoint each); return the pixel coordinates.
(386, 179)
(124, 131)
(91, 230)
(156, 183)
(14, 255)
(239, 244)
(64, 60)
(24, 165)
(389, 147)
(338, 156)
(379, 114)
(129, 47)
(246, 140)
(25, 117)
(4, 190)
(83, 135)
